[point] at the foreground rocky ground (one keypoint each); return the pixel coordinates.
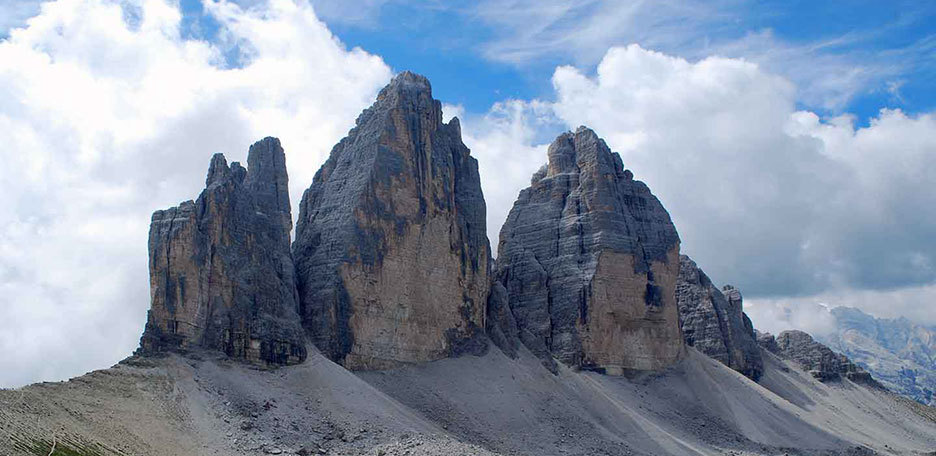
(470, 406)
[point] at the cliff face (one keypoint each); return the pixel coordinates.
(221, 273)
(391, 251)
(899, 353)
(713, 321)
(817, 359)
(588, 259)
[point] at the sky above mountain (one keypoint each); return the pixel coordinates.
(793, 143)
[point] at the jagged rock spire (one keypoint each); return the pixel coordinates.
(391, 252)
(714, 322)
(588, 260)
(221, 274)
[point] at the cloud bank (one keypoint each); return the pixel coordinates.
(107, 113)
(777, 201)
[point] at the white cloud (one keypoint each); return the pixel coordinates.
(502, 141)
(778, 315)
(528, 30)
(829, 71)
(14, 13)
(777, 201)
(106, 114)
(811, 314)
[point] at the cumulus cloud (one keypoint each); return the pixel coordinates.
(778, 201)
(504, 141)
(812, 314)
(107, 112)
(14, 14)
(778, 315)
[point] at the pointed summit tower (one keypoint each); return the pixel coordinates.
(221, 273)
(392, 257)
(588, 260)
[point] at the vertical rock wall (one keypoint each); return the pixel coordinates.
(589, 259)
(391, 251)
(221, 272)
(714, 322)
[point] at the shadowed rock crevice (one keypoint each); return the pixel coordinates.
(221, 273)
(588, 259)
(391, 251)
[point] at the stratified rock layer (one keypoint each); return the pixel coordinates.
(589, 258)
(714, 322)
(820, 361)
(221, 272)
(391, 250)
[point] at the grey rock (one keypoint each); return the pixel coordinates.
(221, 272)
(899, 353)
(501, 326)
(767, 341)
(391, 250)
(714, 322)
(589, 258)
(819, 360)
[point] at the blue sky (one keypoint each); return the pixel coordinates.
(891, 45)
(896, 39)
(793, 143)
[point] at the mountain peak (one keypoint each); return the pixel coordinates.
(406, 86)
(588, 260)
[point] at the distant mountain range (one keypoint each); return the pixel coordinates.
(898, 352)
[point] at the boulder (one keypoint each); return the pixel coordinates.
(589, 259)
(221, 271)
(392, 256)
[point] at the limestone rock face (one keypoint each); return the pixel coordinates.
(221, 272)
(714, 322)
(392, 256)
(817, 359)
(589, 259)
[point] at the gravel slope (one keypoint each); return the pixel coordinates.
(470, 405)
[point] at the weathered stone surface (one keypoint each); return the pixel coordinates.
(589, 260)
(714, 322)
(391, 250)
(221, 272)
(817, 359)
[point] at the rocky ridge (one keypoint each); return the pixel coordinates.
(897, 352)
(221, 272)
(713, 321)
(391, 250)
(820, 361)
(588, 260)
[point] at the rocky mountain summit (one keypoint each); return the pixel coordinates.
(221, 272)
(897, 352)
(391, 249)
(390, 277)
(820, 361)
(588, 260)
(713, 321)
